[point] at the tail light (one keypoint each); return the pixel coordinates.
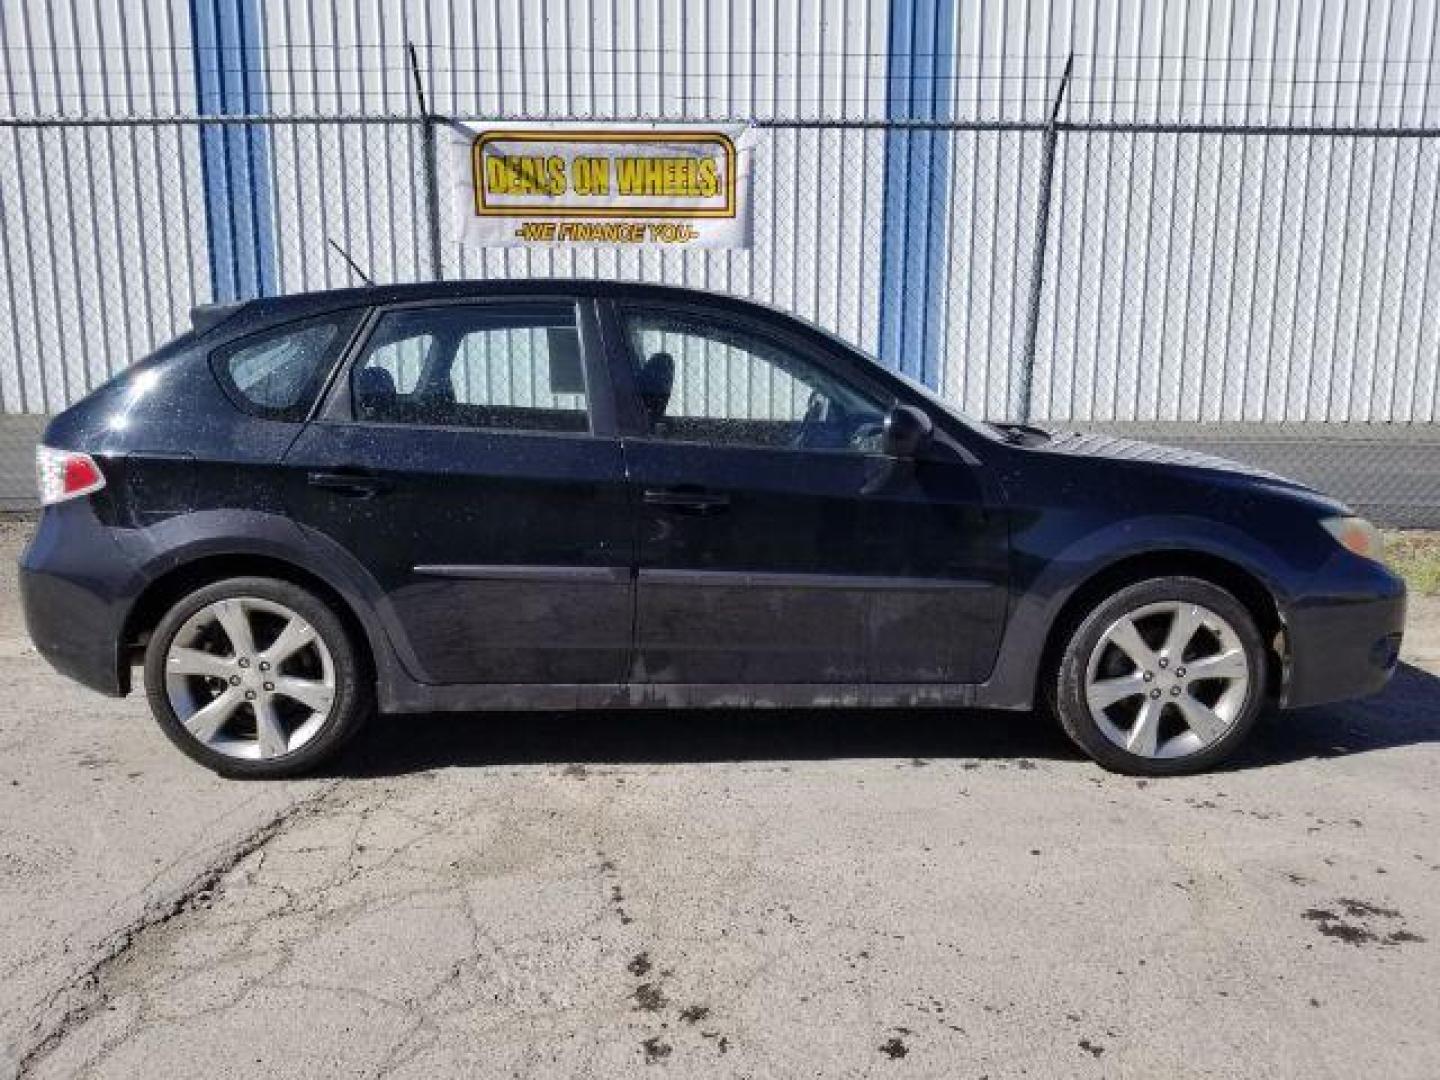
(65, 474)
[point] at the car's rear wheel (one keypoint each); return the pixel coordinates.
(1166, 676)
(255, 677)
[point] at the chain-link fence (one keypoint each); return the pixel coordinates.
(108, 242)
(1206, 284)
(1246, 277)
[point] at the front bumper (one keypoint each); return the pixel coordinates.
(1344, 634)
(75, 587)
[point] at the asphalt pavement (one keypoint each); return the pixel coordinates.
(718, 894)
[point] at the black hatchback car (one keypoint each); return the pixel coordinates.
(565, 494)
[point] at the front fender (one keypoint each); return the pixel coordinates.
(1044, 580)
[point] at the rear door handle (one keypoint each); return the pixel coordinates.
(352, 484)
(686, 500)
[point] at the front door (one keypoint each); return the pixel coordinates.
(776, 543)
(463, 464)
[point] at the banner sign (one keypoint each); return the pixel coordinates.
(568, 185)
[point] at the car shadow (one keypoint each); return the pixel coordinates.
(1408, 712)
(394, 745)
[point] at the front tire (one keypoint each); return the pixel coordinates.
(256, 677)
(1167, 676)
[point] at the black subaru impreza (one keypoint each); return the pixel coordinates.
(565, 494)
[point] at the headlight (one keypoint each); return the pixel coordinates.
(1357, 536)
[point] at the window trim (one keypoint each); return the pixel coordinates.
(337, 404)
(347, 322)
(635, 427)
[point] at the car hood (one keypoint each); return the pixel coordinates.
(1093, 445)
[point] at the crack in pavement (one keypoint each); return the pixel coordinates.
(347, 822)
(83, 994)
(485, 922)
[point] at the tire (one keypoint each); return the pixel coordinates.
(1197, 721)
(302, 673)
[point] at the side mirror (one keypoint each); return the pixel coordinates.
(907, 432)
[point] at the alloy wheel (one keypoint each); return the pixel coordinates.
(1167, 680)
(250, 678)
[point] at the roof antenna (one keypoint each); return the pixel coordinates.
(353, 264)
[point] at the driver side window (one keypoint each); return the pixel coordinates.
(702, 382)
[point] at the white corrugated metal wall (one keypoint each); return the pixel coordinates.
(81, 209)
(1188, 276)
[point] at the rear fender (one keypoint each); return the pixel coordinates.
(182, 540)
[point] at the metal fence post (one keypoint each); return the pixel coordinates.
(1042, 234)
(429, 133)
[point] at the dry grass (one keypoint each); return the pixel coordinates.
(1415, 556)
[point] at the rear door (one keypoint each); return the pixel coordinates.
(467, 458)
(777, 544)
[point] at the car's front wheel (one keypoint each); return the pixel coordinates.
(255, 677)
(1166, 676)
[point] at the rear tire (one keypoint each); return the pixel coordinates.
(1167, 676)
(256, 677)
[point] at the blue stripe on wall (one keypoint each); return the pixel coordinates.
(235, 160)
(917, 185)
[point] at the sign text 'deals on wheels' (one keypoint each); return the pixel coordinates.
(562, 185)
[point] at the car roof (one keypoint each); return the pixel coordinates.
(298, 305)
(232, 320)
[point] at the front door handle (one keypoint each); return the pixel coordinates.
(686, 500)
(352, 484)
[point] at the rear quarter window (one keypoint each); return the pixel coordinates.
(277, 373)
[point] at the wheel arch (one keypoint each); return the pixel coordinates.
(1227, 574)
(165, 590)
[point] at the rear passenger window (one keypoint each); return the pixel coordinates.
(511, 367)
(277, 373)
